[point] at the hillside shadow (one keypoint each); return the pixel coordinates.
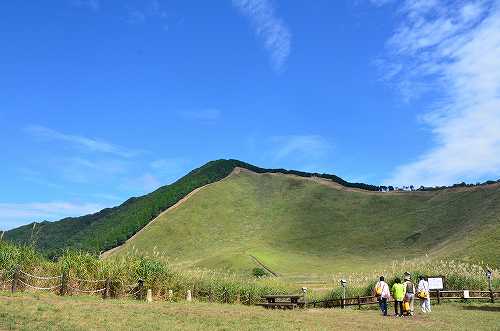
(483, 308)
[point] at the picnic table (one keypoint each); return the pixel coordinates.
(284, 301)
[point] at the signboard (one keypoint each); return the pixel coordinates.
(435, 283)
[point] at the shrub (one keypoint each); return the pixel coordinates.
(259, 272)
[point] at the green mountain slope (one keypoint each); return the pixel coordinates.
(111, 227)
(296, 225)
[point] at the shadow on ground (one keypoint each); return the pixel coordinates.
(483, 308)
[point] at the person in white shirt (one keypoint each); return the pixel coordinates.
(423, 285)
(381, 290)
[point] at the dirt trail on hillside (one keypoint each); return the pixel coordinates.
(175, 206)
(264, 266)
(317, 180)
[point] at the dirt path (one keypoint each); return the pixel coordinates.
(264, 266)
(175, 206)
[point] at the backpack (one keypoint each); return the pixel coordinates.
(410, 288)
(378, 289)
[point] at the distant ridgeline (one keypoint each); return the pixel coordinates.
(111, 227)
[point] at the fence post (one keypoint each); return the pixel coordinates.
(342, 303)
(359, 302)
(492, 297)
(149, 297)
(141, 289)
(170, 295)
(238, 298)
(438, 296)
(108, 288)
(64, 282)
(188, 296)
(15, 279)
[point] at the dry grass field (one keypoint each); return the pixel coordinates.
(28, 311)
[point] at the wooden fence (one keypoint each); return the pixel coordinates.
(437, 296)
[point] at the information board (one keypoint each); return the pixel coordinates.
(435, 283)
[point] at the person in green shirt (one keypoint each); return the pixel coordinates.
(398, 293)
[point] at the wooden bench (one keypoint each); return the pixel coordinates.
(283, 301)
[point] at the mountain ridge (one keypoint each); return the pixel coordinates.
(111, 227)
(293, 224)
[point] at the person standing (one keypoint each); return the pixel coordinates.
(424, 294)
(409, 293)
(398, 293)
(381, 291)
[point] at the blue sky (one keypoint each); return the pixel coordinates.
(103, 100)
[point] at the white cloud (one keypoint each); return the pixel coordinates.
(455, 49)
(381, 2)
(94, 5)
(16, 214)
(142, 184)
(90, 144)
(81, 170)
(152, 10)
(270, 28)
(305, 147)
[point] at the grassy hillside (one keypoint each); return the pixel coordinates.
(297, 226)
(111, 227)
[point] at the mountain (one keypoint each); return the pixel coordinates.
(232, 215)
(295, 225)
(113, 226)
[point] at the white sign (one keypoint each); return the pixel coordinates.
(435, 283)
(466, 294)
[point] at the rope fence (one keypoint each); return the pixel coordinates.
(66, 284)
(40, 277)
(88, 280)
(39, 288)
(87, 291)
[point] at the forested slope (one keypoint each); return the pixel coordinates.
(113, 226)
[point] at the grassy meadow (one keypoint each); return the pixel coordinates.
(160, 276)
(300, 227)
(27, 311)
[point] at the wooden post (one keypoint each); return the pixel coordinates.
(108, 289)
(64, 283)
(342, 303)
(149, 297)
(438, 293)
(359, 302)
(188, 296)
(170, 295)
(14, 280)
(141, 289)
(492, 297)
